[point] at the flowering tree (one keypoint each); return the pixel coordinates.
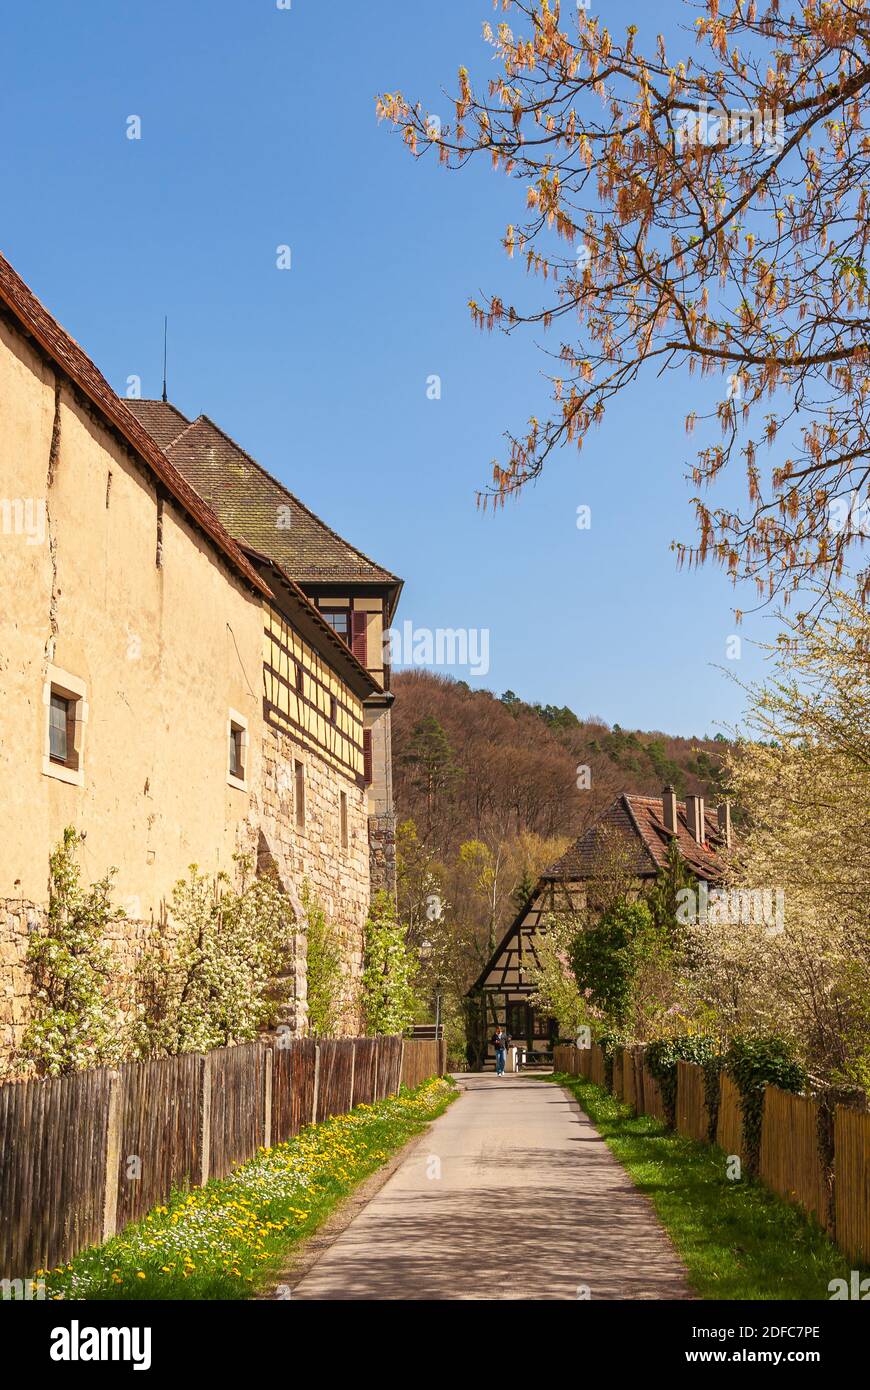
(217, 982)
(803, 784)
(390, 971)
(704, 213)
(555, 988)
(76, 1018)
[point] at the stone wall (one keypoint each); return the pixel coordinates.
(338, 876)
(17, 918)
(382, 854)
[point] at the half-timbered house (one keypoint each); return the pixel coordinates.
(502, 993)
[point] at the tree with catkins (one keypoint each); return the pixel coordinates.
(701, 212)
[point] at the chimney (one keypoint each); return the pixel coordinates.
(669, 810)
(695, 818)
(724, 814)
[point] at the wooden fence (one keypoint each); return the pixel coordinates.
(789, 1162)
(691, 1107)
(729, 1125)
(426, 1058)
(81, 1156)
(852, 1181)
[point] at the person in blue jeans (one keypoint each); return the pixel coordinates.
(500, 1043)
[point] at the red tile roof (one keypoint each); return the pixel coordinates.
(36, 320)
(641, 819)
(164, 422)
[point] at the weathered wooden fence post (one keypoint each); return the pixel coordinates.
(113, 1155)
(316, 1092)
(205, 1119)
(267, 1097)
(377, 1069)
(352, 1072)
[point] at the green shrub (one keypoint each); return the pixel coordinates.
(605, 957)
(752, 1064)
(662, 1057)
(327, 986)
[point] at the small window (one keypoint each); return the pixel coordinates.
(333, 709)
(299, 777)
(237, 767)
(339, 621)
(65, 719)
(300, 680)
(237, 752)
(61, 737)
(343, 819)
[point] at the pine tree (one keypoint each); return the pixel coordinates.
(430, 757)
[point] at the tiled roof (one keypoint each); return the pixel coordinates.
(164, 422)
(640, 819)
(36, 320)
(255, 508)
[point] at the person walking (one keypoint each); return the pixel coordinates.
(500, 1042)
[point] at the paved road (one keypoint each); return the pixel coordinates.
(509, 1195)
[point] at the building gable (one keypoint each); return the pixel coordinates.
(256, 508)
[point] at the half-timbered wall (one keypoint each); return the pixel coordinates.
(306, 699)
(506, 987)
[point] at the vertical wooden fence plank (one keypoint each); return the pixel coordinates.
(852, 1181)
(205, 1119)
(112, 1156)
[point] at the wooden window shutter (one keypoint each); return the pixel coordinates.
(358, 623)
(367, 756)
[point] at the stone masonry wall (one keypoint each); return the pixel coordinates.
(17, 919)
(338, 877)
(382, 854)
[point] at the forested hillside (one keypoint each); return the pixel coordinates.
(468, 763)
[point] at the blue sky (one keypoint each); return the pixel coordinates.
(259, 130)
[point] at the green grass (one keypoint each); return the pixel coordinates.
(231, 1238)
(737, 1239)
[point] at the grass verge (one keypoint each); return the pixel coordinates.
(227, 1239)
(737, 1239)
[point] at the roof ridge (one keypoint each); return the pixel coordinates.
(169, 405)
(189, 426)
(287, 493)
